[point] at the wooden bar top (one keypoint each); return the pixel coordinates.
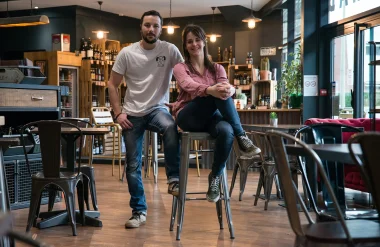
(269, 110)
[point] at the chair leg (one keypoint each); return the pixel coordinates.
(268, 183)
(80, 193)
(183, 172)
(36, 195)
(278, 188)
(38, 210)
(259, 186)
(219, 210)
(52, 196)
(236, 168)
(70, 207)
(174, 212)
(227, 204)
(86, 186)
(196, 145)
(243, 176)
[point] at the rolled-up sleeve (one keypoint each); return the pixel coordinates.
(221, 75)
(184, 80)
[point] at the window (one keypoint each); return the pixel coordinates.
(284, 26)
(297, 18)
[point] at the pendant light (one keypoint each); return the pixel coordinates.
(213, 35)
(100, 33)
(170, 26)
(23, 21)
(251, 19)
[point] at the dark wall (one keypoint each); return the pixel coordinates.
(81, 21)
(15, 40)
(121, 28)
(266, 33)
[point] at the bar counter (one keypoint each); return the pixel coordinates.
(261, 116)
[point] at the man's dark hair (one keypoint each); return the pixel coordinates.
(150, 12)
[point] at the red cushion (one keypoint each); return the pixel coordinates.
(353, 178)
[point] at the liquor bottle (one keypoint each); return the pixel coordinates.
(225, 55)
(90, 50)
(100, 146)
(238, 106)
(230, 54)
(219, 55)
(250, 58)
(83, 45)
(247, 58)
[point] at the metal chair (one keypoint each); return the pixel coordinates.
(243, 163)
(86, 170)
(369, 162)
(186, 138)
(49, 132)
(102, 118)
(8, 236)
(333, 233)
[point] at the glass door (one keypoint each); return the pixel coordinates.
(352, 76)
(68, 81)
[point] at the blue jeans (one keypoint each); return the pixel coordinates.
(217, 117)
(159, 121)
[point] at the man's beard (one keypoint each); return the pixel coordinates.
(145, 38)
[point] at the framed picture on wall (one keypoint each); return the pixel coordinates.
(43, 65)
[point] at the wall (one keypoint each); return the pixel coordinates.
(14, 41)
(81, 21)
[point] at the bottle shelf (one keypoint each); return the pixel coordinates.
(99, 83)
(67, 108)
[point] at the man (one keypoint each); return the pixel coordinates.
(147, 66)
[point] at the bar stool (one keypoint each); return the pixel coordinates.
(186, 138)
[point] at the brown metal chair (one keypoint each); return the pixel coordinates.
(334, 233)
(49, 132)
(369, 162)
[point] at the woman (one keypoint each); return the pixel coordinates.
(205, 104)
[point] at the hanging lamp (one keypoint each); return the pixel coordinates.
(100, 33)
(213, 35)
(24, 21)
(251, 19)
(170, 26)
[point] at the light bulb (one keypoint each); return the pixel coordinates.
(170, 29)
(100, 34)
(213, 38)
(251, 24)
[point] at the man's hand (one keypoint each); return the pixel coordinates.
(221, 90)
(124, 122)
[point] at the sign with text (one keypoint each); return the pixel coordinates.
(268, 51)
(310, 85)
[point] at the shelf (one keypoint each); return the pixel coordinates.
(376, 62)
(245, 87)
(65, 81)
(241, 66)
(223, 62)
(376, 111)
(67, 108)
(99, 83)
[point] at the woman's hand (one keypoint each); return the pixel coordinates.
(221, 90)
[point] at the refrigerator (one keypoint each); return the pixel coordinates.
(68, 78)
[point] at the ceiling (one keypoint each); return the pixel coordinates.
(135, 8)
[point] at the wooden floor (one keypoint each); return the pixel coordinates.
(253, 225)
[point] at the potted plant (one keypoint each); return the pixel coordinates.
(291, 80)
(273, 119)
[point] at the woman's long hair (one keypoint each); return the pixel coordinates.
(199, 33)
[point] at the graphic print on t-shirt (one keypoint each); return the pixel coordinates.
(160, 61)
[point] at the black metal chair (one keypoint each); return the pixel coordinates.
(49, 132)
(86, 170)
(332, 233)
(329, 133)
(369, 162)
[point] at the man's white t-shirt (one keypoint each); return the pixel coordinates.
(148, 74)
